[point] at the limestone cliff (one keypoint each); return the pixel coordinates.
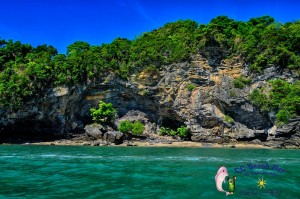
(198, 93)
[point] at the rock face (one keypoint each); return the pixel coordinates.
(98, 132)
(56, 112)
(198, 94)
(114, 137)
(95, 131)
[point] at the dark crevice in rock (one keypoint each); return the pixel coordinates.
(17, 136)
(289, 130)
(214, 54)
(248, 139)
(246, 114)
(171, 123)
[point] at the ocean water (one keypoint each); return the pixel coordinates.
(131, 172)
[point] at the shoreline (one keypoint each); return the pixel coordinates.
(178, 144)
(151, 141)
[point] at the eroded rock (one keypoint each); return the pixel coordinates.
(95, 131)
(114, 137)
(198, 93)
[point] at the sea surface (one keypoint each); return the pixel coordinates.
(136, 172)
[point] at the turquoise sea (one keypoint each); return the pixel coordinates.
(131, 172)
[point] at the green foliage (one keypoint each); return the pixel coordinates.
(152, 70)
(280, 90)
(244, 80)
(105, 113)
(172, 132)
(181, 131)
(172, 43)
(24, 71)
(167, 131)
(228, 119)
(283, 116)
(259, 99)
(164, 131)
(136, 128)
(77, 47)
(238, 84)
(283, 98)
(232, 93)
(125, 126)
(191, 87)
(241, 81)
(144, 92)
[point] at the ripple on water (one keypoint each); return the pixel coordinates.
(113, 172)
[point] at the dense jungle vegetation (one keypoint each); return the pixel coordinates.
(25, 70)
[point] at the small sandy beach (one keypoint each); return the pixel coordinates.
(198, 145)
(188, 144)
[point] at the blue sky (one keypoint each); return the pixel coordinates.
(62, 22)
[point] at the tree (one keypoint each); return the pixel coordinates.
(78, 46)
(105, 113)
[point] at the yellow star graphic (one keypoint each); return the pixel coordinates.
(261, 183)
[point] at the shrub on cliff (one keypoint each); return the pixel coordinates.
(167, 131)
(125, 126)
(228, 119)
(241, 81)
(191, 87)
(105, 113)
(283, 98)
(163, 131)
(181, 131)
(238, 84)
(136, 128)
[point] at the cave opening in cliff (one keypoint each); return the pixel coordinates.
(29, 131)
(171, 123)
